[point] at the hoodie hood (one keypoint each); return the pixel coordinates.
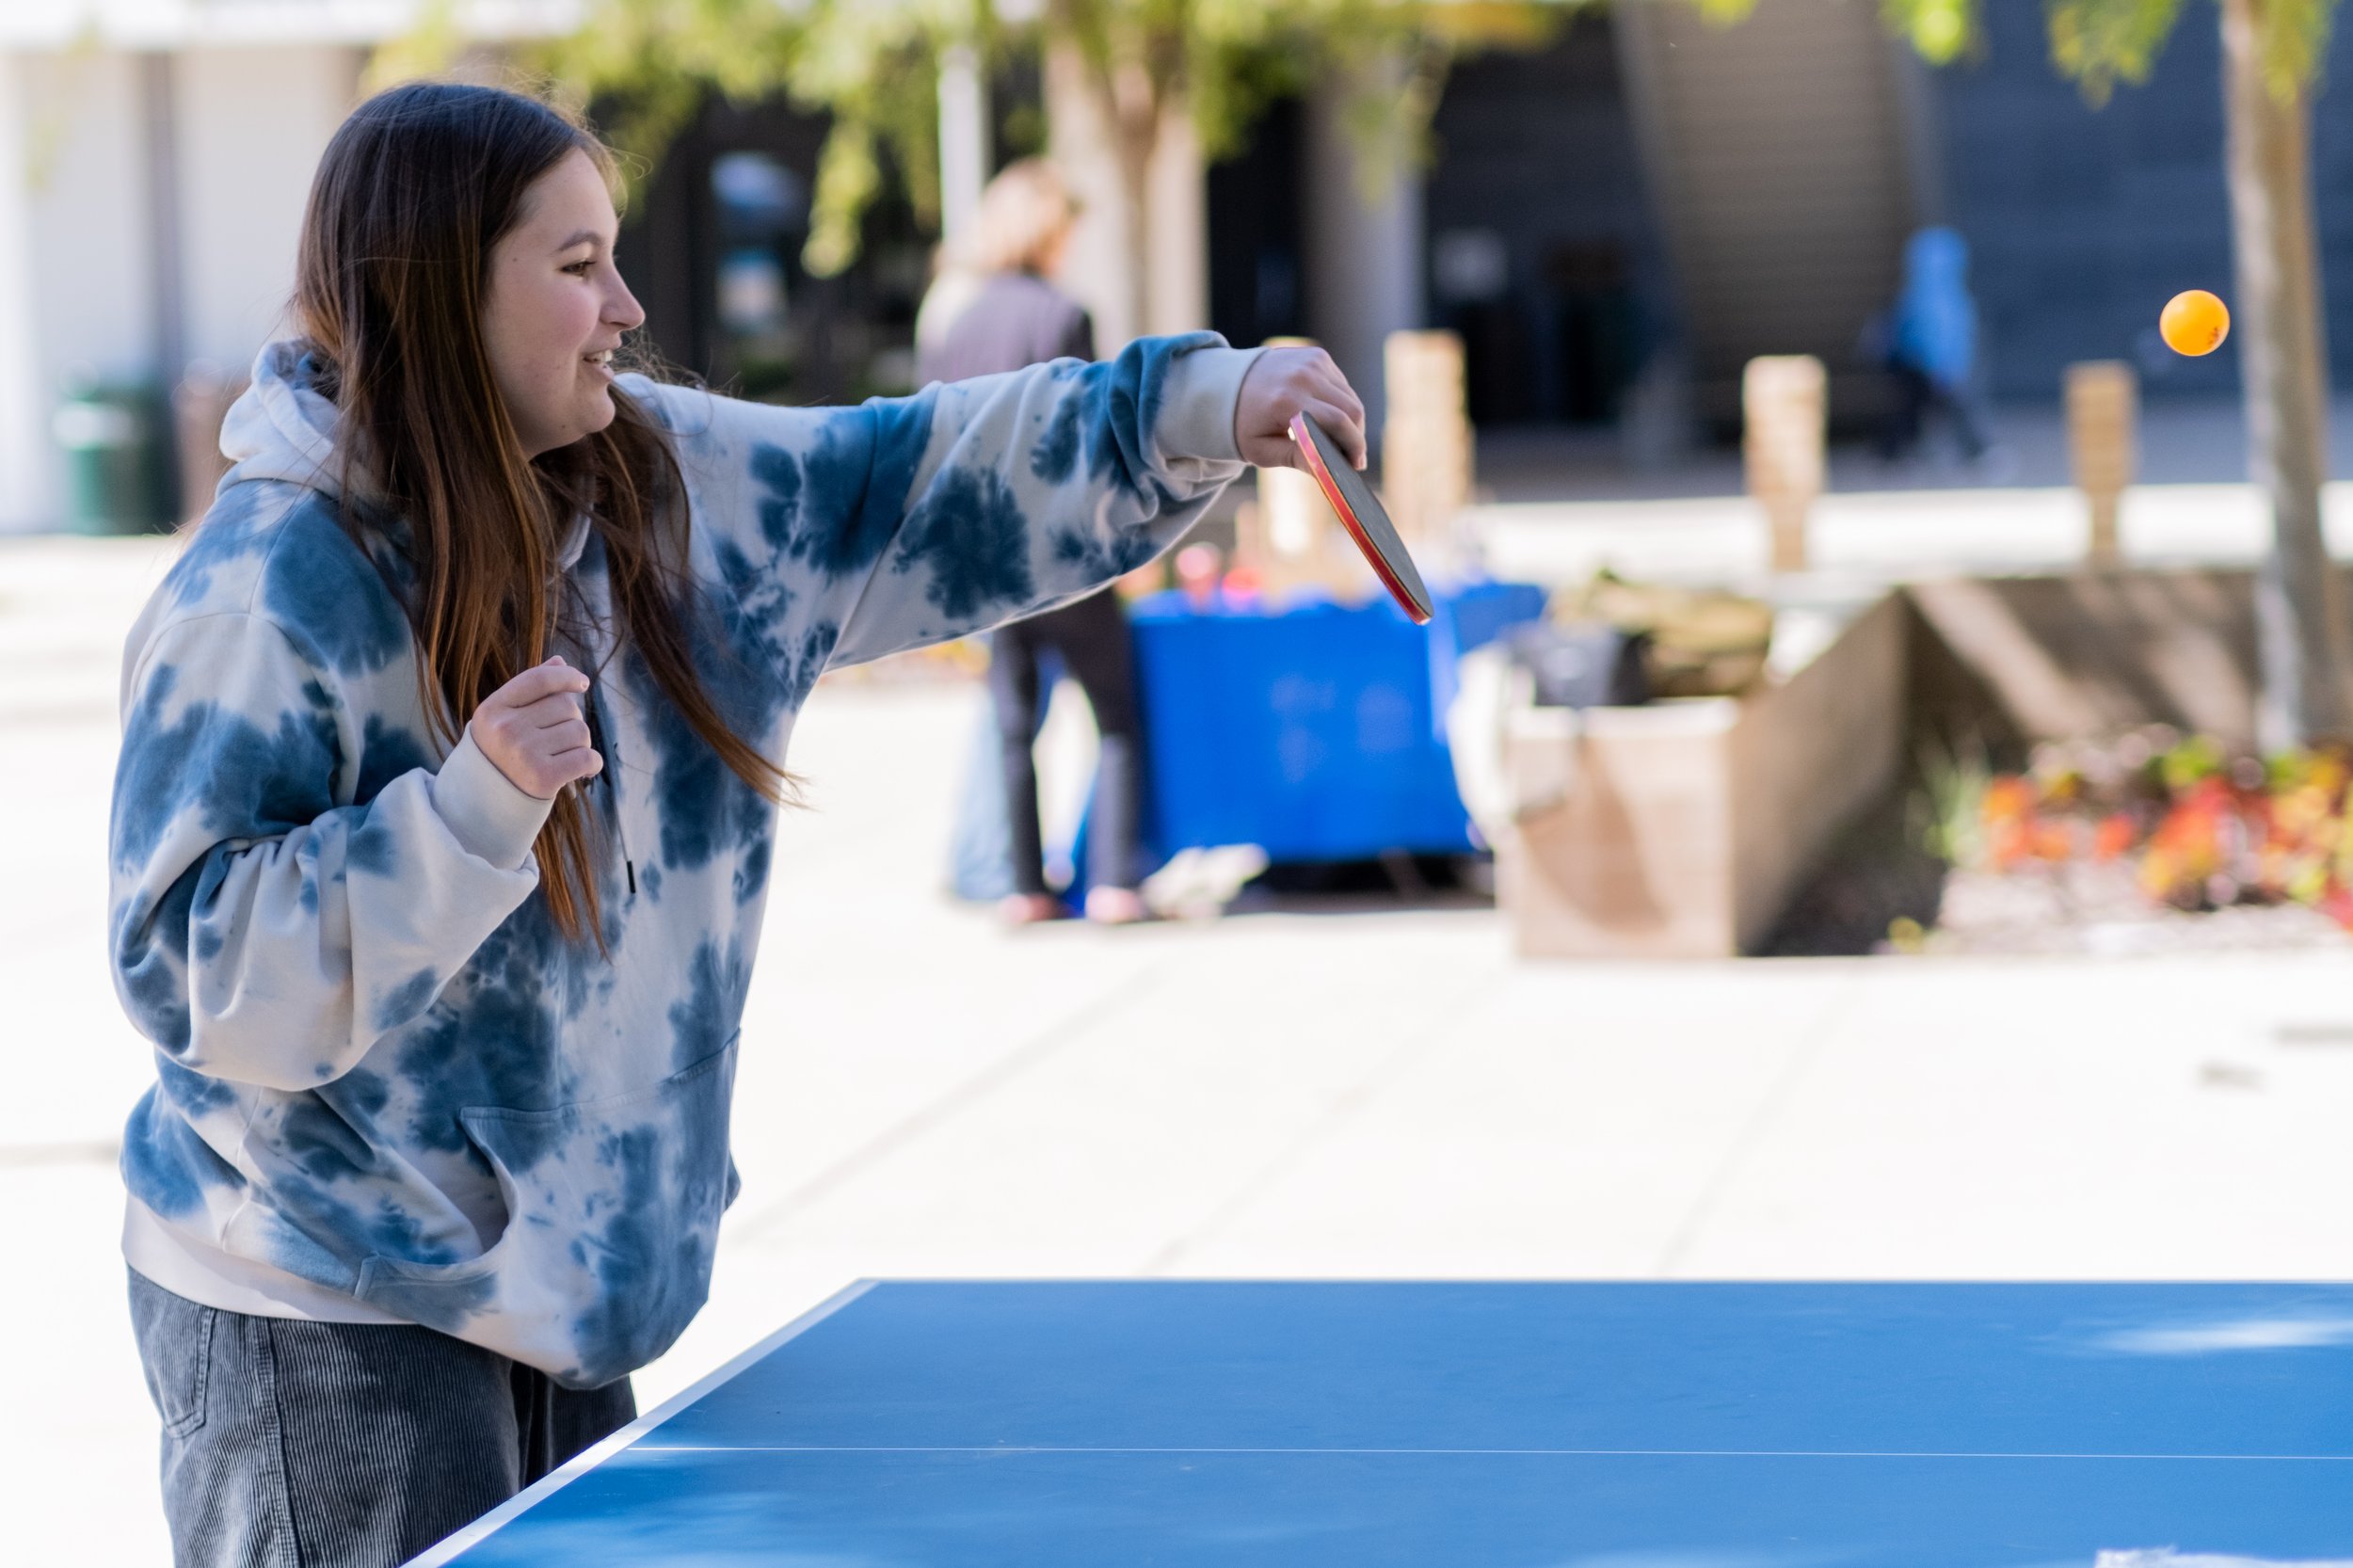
(1936, 259)
(282, 427)
(1935, 326)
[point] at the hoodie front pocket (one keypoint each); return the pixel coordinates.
(612, 1212)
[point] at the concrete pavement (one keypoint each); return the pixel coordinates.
(1383, 1092)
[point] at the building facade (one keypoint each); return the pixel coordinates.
(156, 156)
(1616, 220)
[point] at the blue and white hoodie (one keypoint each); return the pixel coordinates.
(387, 1089)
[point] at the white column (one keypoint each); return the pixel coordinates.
(252, 125)
(1177, 191)
(1364, 239)
(963, 139)
(76, 249)
(26, 470)
(92, 232)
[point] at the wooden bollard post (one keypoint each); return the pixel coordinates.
(2103, 439)
(1784, 401)
(1426, 438)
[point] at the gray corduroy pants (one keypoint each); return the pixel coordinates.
(289, 1444)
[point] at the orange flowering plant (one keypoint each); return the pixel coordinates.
(2201, 828)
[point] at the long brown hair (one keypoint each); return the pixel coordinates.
(413, 192)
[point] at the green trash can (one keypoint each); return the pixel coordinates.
(113, 438)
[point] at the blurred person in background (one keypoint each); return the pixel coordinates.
(1928, 340)
(994, 308)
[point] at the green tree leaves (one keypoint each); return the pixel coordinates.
(2101, 42)
(872, 67)
(2098, 43)
(1941, 30)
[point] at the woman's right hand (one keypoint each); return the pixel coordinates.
(1282, 382)
(531, 727)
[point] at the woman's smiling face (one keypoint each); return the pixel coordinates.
(556, 309)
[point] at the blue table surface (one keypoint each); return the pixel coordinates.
(1519, 1425)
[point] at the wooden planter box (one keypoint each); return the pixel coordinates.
(1682, 829)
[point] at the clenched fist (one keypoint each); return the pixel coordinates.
(1286, 382)
(532, 729)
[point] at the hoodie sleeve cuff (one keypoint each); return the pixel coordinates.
(1197, 401)
(483, 810)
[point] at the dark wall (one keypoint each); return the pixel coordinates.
(2084, 221)
(1257, 266)
(1538, 149)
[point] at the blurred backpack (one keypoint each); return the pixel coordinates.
(1702, 642)
(1581, 664)
(1542, 664)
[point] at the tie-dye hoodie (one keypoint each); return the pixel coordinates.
(387, 1089)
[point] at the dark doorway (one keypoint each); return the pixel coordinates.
(1256, 277)
(713, 247)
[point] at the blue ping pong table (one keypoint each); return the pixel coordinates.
(1462, 1426)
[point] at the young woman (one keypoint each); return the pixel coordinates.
(1011, 316)
(452, 749)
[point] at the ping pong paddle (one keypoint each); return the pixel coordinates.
(1359, 511)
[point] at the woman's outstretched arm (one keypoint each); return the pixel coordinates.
(912, 521)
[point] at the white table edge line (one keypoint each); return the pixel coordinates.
(1505, 1454)
(449, 1548)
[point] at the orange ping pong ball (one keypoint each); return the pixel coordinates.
(2194, 322)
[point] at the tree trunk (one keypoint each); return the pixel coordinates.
(1131, 100)
(1134, 161)
(2301, 631)
(1106, 128)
